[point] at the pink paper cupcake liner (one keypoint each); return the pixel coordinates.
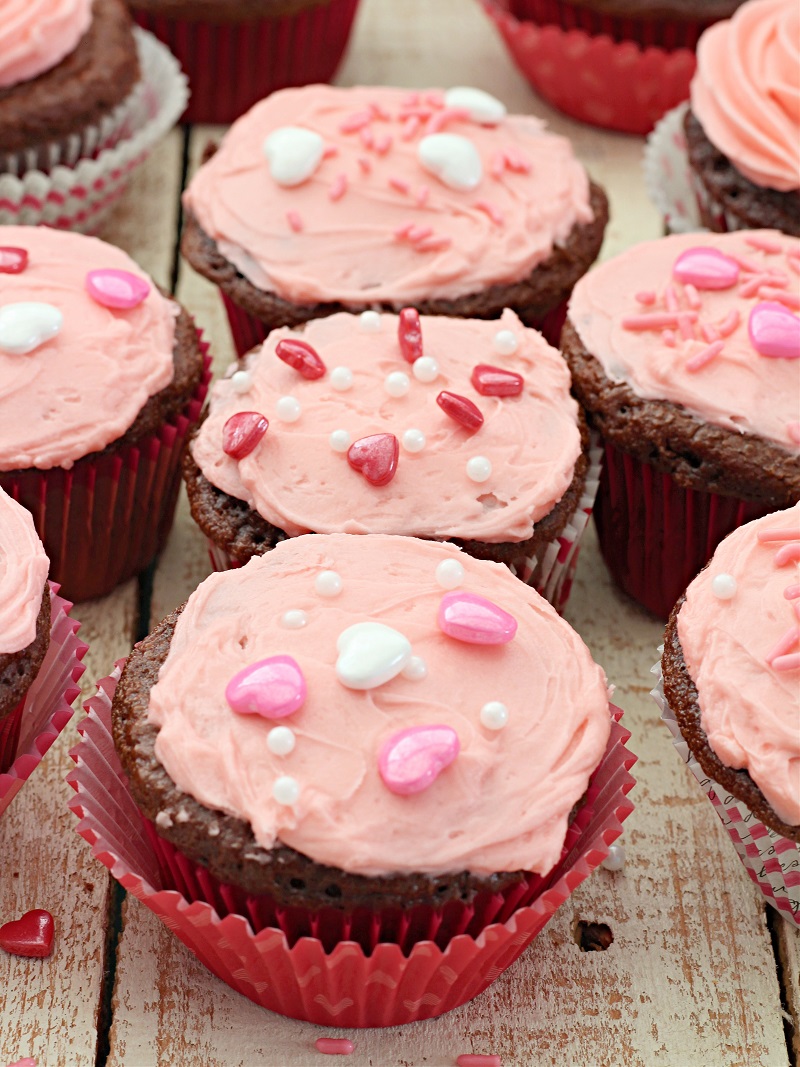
(106, 518)
(45, 709)
(233, 65)
(667, 174)
(622, 74)
(299, 967)
(771, 861)
(655, 536)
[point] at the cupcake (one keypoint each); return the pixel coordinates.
(332, 430)
(238, 51)
(731, 694)
(39, 653)
(620, 64)
(322, 200)
(685, 353)
(285, 735)
(743, 127)
(100, 378)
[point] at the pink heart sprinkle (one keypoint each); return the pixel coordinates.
(774, 331)
(302, 357)
(409, 334)
(273, 688)
(461, 410)
(13, 260)
(495, 381)
(117, 289)
(706, 268)
(412, 759)
(475, 620)
(375, 457)
(242, 432)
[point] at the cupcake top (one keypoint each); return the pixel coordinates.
(85, 339)
(382, 705)
(376, 194)
(706, 321)
(35, 35)
(746, 91)
(477, 438)
(739, 630)
(23, 572)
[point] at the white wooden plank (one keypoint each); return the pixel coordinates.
(789, 949)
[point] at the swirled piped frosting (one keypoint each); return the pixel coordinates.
(371, 223)
(79, 390)
(743, 654)
(746, 91)
(504, 802)
(297, 481)
(35, 35)
(672, 339)
(23, 571)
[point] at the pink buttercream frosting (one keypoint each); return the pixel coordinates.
(35, 35)
(337, 235)
(732, 386)
(501, 805)
(23, 570)
(750, 711)
(746, 91)
(297, 481)
(81, 390)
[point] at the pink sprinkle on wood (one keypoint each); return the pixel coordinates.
(729, 323)
(789, 300)
(646, 297)
(497, 165)
(365, 164)
(422, 195)
(434, 99)
(787, 642)
(445, 116)
(338, 187)
(787, 663)
(783, 533)
(668, 337)
(355, 122)
(366, 136)
(410, 126)
(686, 320)
(470, 1059)
(517, 162)
(383, 144)
(419, 233)
(793, 430)
(400, 184)
(787, 554)
(334, 1046)
(671, 298)
(489, 209)
(763, 244)
(703, 358)
(692, 296)
(752, 285)
(294, 220)
(657, 320)
(792, 592)
(710, 333)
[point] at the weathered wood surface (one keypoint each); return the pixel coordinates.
(691, 977)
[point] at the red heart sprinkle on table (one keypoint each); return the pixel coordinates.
(32, 935)
(302, 357)
(12, 260)
(242, 432)
(495, 381)
(409, 334)
(462, 410)
(118, 289)
(706, 268)
(375, 457)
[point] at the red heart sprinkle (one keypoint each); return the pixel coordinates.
(494, 381)
(409, 334)
(462, 410)
(242, 432)
(375, 457)
(301, 356)
(32, 935)
(12, 260)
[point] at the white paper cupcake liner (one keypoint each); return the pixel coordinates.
(668, 176)
(772, 861)
(88, 172)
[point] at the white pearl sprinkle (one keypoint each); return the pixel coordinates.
(505, 342)
(413, 440)
(449, 574)
(288, 409)
(281, 741)
(340, 440)
(286, 790)
(397, 383)
(241, 380)
(416, 669)
(723, 586)
(479, 469)
(615, 860)
(494, 715)
(328, 583)
(369, 321)
(425, 369)
(341, 379)
(294, 619)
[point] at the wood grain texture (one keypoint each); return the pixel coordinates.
(789, 951)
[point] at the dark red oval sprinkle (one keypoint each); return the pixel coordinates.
(301, 356)
(12, 260)
(495, 381)
(375, 457)
(409, 334)
(462, 410)
(242, 432)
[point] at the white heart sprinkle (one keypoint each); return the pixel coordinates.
(370, 654)
(25, 326)
(293, 154)
(482, 107)
(453, 159)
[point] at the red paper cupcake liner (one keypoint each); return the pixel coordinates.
(655, 536)
(108, 517)
(233, 65)
(299, 968)
(771, 861)
(621, 74)
(29, 731)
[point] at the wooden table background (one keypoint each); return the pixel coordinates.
(701, 970)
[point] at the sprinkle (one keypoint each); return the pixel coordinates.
(334, 1046)
(329, 151)
(752, 285)
(446, 115)
(788, 641)
(489, 209)
(729, 324)
(413, 440)
(410, 100)
(288, 409)
(787, 663)
(422, 195)
(241, 380)
(281, 740)
(710, 333)
(656, 320)
(762, 244)
(341, 379)
(416, 669)
(338, 187)
(692, 296)
(746, 264)
(778, 534)
(646, 297)
(793, 430)
(479, 469)
(411, 124)
(366, 137)
(294, 220)
(379, 112)
(787, 554)
(505, 342)
(340, 440)
(419, 233)
(792, 592)
(449, 574)
(369, 321)
(794, 263)
(365, 164)
(286, 790)
(615, 860)
(383, 144)
(294, 619)
(517, 162)
(409, 334)
(425, 369)
(433, 244)
(328, 584)
(434, 99)
(702, 358)
(671, 298)
(397, 384)
(723, 586)
(791, 300)
(355, 122)
(242, 432)
(471, 1059)
(375, 457)
(497, 165)
(685, 320)
(411, 760)
(494, 715)
(301, 356)
(668, 337)
(404, 230)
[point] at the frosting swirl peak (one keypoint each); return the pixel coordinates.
(35, 35)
